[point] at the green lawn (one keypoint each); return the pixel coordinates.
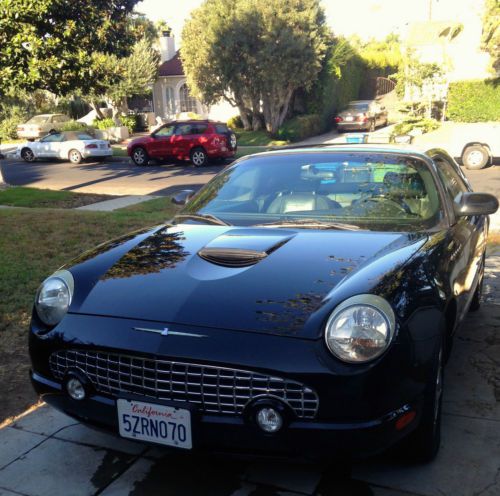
(256, 138)
(33, 198)
(34, 243)
(119, 151)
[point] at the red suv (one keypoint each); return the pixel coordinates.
(197, 141)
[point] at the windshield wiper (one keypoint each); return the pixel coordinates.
(211, 219)
(311, 224)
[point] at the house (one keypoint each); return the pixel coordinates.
(171, 96)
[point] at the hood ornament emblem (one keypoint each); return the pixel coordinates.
(167, 332)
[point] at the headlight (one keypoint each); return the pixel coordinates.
(54, 297)
(360, 329)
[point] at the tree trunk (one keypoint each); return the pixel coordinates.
(275, 110)
(3, 184)
(247, 125)
(95, 106)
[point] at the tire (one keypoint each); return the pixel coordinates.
(140, 156)
(198, 157)
(422, 445)
(27, 155)
(232, 142)
(75, 157)
(475, 157)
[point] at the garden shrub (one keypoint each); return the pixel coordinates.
(10, 118)
(474, 101)
(235, 122)
(415, 125)
(301, 127)
(74, 126)
(103, 123)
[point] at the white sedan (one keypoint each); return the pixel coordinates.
(74, 146)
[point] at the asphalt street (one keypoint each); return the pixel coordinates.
(121, 177)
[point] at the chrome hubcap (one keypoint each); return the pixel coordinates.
(475, 157)
(139, 157)
(198, 158)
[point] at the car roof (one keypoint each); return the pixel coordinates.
(367, 148)
(195, 121)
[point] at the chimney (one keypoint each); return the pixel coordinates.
(167, 47)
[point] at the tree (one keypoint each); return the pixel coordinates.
(491, 32)
(48, 44)
(255, 54)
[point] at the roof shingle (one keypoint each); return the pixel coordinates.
(172, 67)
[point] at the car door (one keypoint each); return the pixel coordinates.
(161, 146)
(49, 145)
(183, 139)
(467, 237)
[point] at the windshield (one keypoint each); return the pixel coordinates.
(38, 119)
(369, 190)
(357, 107)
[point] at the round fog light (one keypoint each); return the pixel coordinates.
(269, 419)
(75, 389)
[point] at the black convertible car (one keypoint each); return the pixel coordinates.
(302, 303)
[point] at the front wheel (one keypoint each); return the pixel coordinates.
(422, 445)
(140, 156)
(475, 157)
(27, 155)
(198, 157)
(75, 157)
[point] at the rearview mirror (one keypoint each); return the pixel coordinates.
(182, 197)
(475, 204)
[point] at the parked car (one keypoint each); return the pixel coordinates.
(198, 141)
(40, 125)
(74, 146)
(476, 145)
(365, 115)
(302, 303)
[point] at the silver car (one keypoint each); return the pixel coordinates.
(40, 125)
(74, 146)
(362, 115)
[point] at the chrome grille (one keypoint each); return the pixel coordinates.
(214, 389)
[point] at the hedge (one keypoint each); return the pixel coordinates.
(301, 127)
(474, 101)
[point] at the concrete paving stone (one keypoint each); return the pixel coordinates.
(472, 382)
(187, 474)
(15, 443)
(80, 433)
(110, 205)
(61, 468)
(296, 478)
(127, 482)
(6, 492)
(44, 420)
(467, 464)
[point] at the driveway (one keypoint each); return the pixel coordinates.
(45, 453)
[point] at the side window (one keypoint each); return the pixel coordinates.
(184, 129)
(199, 128)
(52, 138)
(221, 129)
(453, 183)
(165, 131)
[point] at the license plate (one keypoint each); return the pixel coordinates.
(349, 118)
(154, 423)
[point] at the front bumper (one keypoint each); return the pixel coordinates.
(237, 435)
(358, 406)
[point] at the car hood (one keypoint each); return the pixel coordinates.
(245, 279)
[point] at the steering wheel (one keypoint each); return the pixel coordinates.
(401, 204)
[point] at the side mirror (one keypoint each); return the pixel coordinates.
(183, 197)
(475, 204)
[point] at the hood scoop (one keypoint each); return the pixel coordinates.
(244, 247)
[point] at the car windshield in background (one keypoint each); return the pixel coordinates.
(373, 191)
(358, 107)
(38, 119)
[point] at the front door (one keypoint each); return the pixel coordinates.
(161, 147)
(50, 145)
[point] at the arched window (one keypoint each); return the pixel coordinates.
(188, 102)
(169, 102)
